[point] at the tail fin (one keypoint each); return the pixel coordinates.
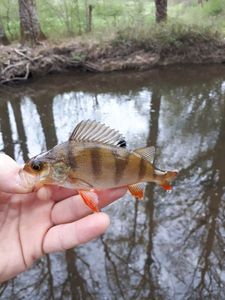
(165, 179)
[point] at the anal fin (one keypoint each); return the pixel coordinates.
(166, 187)
(137, 190)
(88, 201)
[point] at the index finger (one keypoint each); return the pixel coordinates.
(73, 208)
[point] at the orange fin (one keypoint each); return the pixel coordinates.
(166, 187)
(137, 190)
(88, 201)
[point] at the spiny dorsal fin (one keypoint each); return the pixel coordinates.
(92, 131)
(148, 153)
(122, 143)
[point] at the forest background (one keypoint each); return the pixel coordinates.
(104, 19)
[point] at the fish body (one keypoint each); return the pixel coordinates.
(95, 157)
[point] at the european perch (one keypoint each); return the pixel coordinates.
(95, 157)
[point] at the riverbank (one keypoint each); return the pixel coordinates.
(19, 63)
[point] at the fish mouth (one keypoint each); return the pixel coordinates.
(28, 181)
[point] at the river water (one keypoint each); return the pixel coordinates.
(172, 244)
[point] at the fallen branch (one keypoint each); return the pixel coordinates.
(18, 78)
(12, 66)
(36, 58)
(91, 67)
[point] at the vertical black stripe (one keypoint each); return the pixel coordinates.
(120, 165)
(71, 157)
(96, 162)
(142, 169)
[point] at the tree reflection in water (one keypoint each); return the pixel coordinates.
(171, 246)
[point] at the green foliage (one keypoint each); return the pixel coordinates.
(110, 10)
(61, 18)
(165, 36)
(9, 14)
(210, 14)
(214, 8)
(68, 18)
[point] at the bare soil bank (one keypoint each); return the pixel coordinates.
(21, 63)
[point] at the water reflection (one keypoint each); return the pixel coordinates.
(171, 246)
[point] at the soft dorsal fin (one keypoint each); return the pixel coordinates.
(148, 153)
(92, 131)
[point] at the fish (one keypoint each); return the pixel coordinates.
(96, 157)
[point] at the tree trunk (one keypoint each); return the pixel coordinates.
(161, 10)
(201, 2)
(29, 24)
(89, 18)
(3, 38)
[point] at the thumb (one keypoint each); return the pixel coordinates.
(10, 181)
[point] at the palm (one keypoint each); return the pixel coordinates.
(35, 223)
(24, 221)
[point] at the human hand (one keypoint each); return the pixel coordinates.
(35, 223)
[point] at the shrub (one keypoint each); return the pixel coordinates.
(164, 36)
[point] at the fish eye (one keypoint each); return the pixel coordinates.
(37, 165)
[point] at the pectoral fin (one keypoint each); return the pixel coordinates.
(88, 201)
(137, 190)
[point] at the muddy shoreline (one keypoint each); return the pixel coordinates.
(18, 64)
